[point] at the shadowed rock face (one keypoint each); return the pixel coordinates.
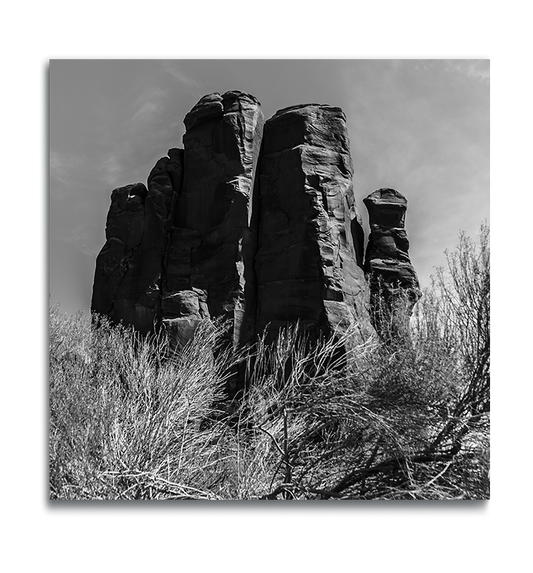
(209, 241)
(310, 236)
(252, 222)
(128, 277)
(176, 252)
(393, 281)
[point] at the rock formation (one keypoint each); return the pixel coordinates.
(209, 247)
(393, 282)
(310, 239)
(254, 223)
(121, 290)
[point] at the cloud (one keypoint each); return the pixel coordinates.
(61, 164)
(478, 70)
(64, 169)
(421, 127)
(475, 69)
(146, 108)
(112, 170)
(123, 150)
(171, 68)
(146, 112)
(59, 170)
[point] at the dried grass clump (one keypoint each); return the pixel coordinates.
(326, 419)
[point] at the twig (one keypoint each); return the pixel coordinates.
(154, 478)
(437, 476)
(386, 466)
(184, 433)
(323, 492)
(273, 439)
(288, 476)
(370, 461)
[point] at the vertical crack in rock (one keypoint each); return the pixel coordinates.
(393, 281)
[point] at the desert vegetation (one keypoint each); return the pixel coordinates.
(130, 419)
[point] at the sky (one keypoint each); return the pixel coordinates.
(418, 126)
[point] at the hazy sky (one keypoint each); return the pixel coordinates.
(419, 126)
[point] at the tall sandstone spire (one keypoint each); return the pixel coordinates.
(393, 281)
(209, 248)
(310, 241)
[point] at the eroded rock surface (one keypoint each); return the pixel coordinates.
(128, 277)
(393, 281)
(176, 251)
(209, 241)
(254, 223)
(118, 266)
(310, 239)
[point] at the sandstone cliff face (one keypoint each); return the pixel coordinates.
(310, 235)
(208, 245)
(254, 223)
(118, 284)
(393, 281)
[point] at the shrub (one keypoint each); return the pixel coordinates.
(129, 419)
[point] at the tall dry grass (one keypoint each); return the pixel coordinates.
(129, 419)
